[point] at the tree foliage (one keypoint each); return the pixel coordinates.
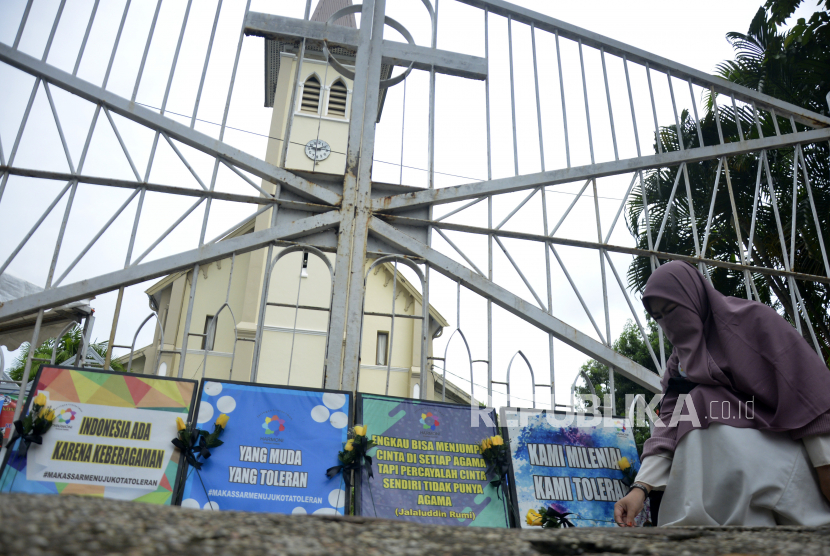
(630, 344)
(793, 66)
(67, 347)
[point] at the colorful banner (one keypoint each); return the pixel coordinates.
(427, 466)
(569, 463)
(110, 437)
(278, 443)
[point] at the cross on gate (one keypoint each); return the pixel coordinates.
(355, 209)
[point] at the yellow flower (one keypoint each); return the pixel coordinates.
(222, 421)
(624, 464)
(40, 400)
(497, 440)
(349, 445)
(180, 424)
(360, 430)
(485, 444)
(48, 414)
(534, 518)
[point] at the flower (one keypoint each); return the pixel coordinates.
(624, 464)
(497, 440)
(349, 445)
(180, 424)
(360, 430)
(48, 414)
(222, 421)
(486, 444)
(40, 400)
(534, 518)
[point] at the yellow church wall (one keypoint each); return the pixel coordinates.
(305, 126)
(307, 356)
(309, 342)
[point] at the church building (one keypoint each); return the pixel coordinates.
(313, 114)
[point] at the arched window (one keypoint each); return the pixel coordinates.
(337, 99)
(311, 95)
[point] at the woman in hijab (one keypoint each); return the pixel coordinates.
(743, 435)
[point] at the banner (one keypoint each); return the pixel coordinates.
(110, 436)
(569, 463)
(278, 443)
(427, 466)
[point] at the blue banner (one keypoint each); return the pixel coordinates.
(569, 463)
(278, 443)
(427, 466)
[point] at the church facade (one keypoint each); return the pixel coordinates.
(293, 342)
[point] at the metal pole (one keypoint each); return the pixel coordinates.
(544, 216)
(654, 111)
(186, 333)
(296, 314)
(146, 50)
(608, 98)
(392, 328)
(17, 38)
(293, 106)
(115, 317)
(403, 127)
(21, 396)
(115, 44)
(86, 36)
(562, 94)
(512, 95)
(489, 214)
(205, 66)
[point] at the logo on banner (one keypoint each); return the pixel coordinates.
(273, 425)
(66, 416)
(429, 421)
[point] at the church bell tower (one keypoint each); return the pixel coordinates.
(312, 106)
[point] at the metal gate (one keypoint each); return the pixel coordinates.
(357, 220)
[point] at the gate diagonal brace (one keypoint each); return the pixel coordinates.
(173, 129)
(592, 171)
(167, 265)
(517, 306)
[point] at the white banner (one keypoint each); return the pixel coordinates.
(103, 445)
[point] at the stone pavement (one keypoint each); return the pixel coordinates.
(57, 525)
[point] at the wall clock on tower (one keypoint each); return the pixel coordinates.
(317, 150)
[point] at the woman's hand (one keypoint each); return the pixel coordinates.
(824, 480)
(628, 507)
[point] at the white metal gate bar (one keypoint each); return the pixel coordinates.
(517, 306)
(664, 255)
(601, 169)
(167, 265)
(177, 131)
(611, 46)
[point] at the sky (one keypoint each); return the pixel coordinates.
(690, 34)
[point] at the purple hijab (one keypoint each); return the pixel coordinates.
(737, 351)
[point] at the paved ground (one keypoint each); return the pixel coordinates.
(47, 525)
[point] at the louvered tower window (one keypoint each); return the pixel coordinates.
(311, 95)
(337, 99)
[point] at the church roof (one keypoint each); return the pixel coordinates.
(325, 9)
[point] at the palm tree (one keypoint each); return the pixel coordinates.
(67, 347)
(793, 69)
